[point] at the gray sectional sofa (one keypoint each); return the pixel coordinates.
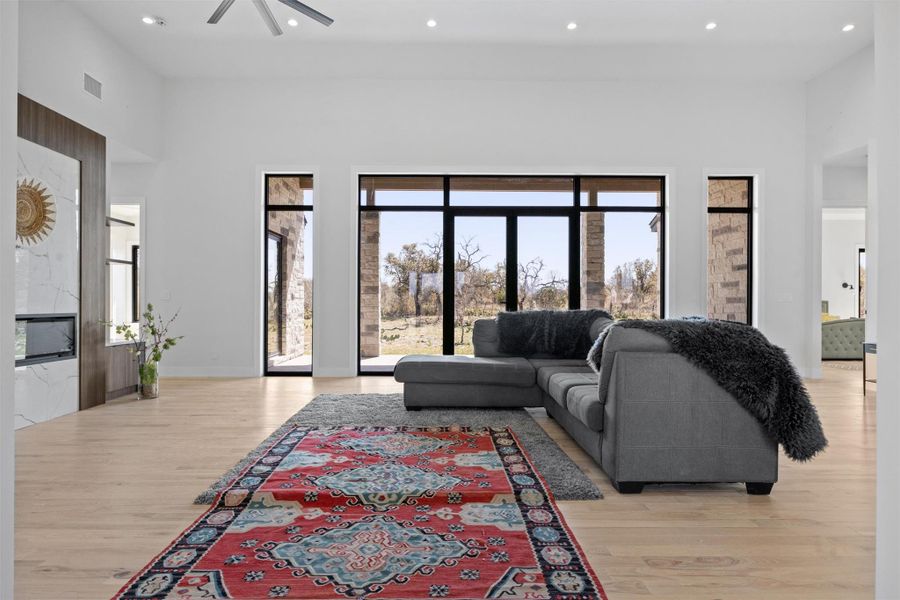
(649, 417)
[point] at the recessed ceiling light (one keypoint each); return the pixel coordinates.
(149, 21)
(431, 23)
(293, 22)
(711, 25)
(848, 27)
(572, 25)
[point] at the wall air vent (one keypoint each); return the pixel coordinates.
(93, 87)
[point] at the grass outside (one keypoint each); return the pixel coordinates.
(423, 336)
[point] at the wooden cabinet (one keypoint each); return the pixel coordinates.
(121, 371)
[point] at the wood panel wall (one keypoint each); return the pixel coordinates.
(40, 125)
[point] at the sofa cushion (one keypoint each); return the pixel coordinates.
(514, 371)
(485, 338)
(545, 367)
(560, 383)
(583, 403)
(598, 326)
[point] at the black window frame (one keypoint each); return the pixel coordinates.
(449, 211)
(749, 211)
(272, 236)
(135, 283)
(266, 232)
(861, 312)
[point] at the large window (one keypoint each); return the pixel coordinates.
(730, 249)
(288, 274)
(499, 243)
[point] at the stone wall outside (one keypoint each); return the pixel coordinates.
(727, 264)
(369, 285)
(291, 226)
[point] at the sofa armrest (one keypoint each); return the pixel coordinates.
(668, 421)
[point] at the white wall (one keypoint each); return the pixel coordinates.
(844, 187)
(839, 121)
(886, 192)
(58, 45)
(129, 180)
(842, 236)
(9, 20)
(219, 135)
(840, 105)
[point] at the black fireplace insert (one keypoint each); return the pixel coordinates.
(45, 338)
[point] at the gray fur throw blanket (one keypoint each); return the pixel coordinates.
(753, 370)
(560, 333)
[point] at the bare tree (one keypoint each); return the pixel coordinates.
(535, 292)
(410, 270)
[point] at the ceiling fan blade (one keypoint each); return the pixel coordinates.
(267, 16)
(224, 6)
(309, 12)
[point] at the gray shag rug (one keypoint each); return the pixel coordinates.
(566, 480)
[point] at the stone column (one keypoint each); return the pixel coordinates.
(369, 282)
(294, 289)
(291, 226)
(593, 272)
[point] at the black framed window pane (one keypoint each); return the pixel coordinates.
(729, 192)
(727, 266)
(543, 269)
(621, 191)
(565, 254)
(479, 275)
(401, 287)
(861, 282)
(511, 191)
(289, 190)
(620, 263)
(289, 291)
(401, 191)
(136, 267)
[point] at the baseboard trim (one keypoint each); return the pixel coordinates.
(225, 372)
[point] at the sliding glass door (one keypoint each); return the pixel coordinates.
(479, 275)
(499, 243)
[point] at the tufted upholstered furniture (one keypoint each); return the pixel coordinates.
(843, 339)
(649, 417)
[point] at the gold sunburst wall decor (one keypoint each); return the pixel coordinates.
(35, 212)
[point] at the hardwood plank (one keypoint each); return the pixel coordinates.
(100, 492)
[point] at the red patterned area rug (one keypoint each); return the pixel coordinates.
(375, 512)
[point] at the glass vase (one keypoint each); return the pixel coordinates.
(149, 384)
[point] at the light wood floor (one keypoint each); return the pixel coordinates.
(99, 493)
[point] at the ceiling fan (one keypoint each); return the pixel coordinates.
(266, 13)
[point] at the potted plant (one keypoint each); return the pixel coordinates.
(149, 343)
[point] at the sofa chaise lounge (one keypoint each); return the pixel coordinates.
(650, 416)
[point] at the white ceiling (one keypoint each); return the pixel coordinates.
(786, 38)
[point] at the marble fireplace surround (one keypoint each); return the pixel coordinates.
(83, 384)
(47, 279)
